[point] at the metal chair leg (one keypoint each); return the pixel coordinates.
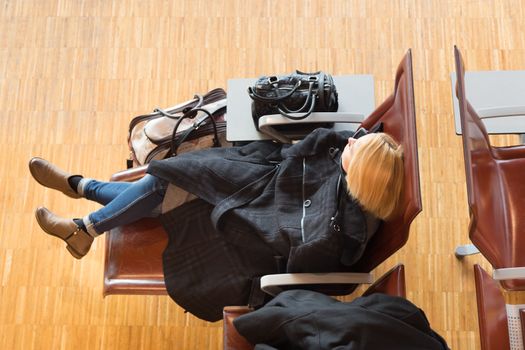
(464, 250)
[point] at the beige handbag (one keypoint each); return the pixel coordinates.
(195, 124)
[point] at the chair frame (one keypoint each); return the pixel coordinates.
(495, 216)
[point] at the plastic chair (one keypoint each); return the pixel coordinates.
(496, 194)
(397, 114)
(392, 283)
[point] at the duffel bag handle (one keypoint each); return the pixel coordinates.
(191, 114)
(165, 113)
(197, 101)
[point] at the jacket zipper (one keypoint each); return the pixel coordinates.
(334, 219)
(304, 208)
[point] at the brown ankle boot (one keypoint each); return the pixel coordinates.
(49, 175)
(78, 241)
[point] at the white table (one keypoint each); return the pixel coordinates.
(356, 101)
(497, 96)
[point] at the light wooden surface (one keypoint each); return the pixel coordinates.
(73, 73)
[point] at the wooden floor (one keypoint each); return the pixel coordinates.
(73, 73)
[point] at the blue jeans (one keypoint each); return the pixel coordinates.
(124, 202)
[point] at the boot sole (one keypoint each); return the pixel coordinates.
(69, 248)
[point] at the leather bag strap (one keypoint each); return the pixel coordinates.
(260, 98)
(312, 99)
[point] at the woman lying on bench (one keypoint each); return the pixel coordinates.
(328, 187)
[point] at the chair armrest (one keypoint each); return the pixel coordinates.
(501, 111)
(509, 273)
(271, 284)
(129, 175)
(267, 122)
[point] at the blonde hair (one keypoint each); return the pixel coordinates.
(375, 174)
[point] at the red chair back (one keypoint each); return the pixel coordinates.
(492, 312)
(495, 189)
(398, 116)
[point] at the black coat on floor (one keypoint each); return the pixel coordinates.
(299, 319)
(263, 208)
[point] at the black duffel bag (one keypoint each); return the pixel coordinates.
(299, 93)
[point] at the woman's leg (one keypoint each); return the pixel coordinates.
(51, 176)
(139, 199)
(125, 203)
(100, 191)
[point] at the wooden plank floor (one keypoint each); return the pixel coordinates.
(73, 73)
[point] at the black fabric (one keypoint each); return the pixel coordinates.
(299, 319)
(252, 213)
(205, 270)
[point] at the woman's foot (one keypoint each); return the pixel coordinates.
(78, 241)
(51, 176)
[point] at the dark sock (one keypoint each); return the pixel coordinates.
(80, 224)
(73, 182)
